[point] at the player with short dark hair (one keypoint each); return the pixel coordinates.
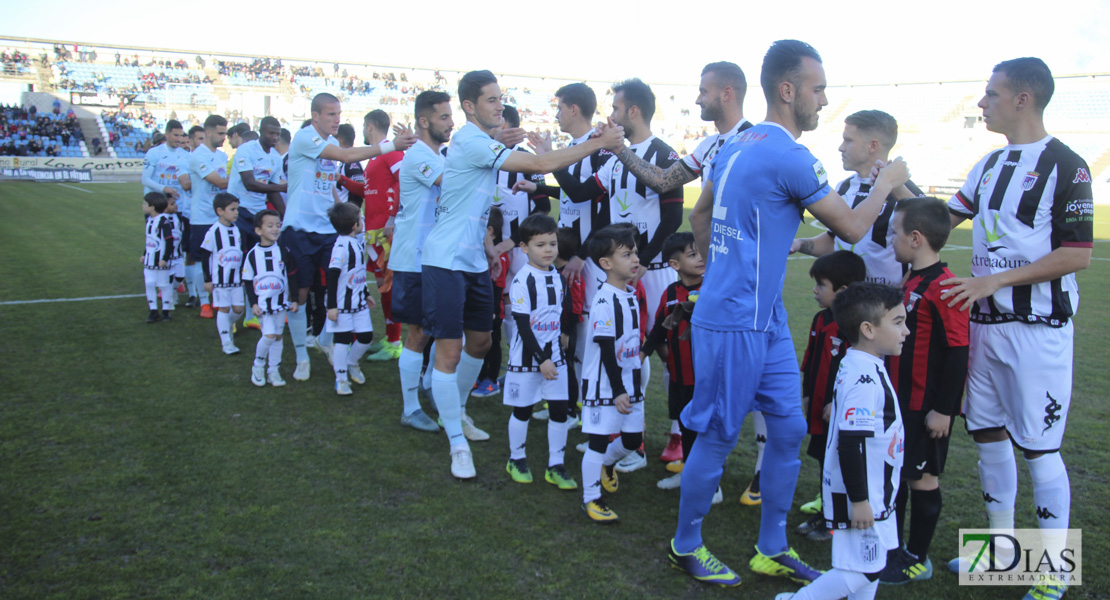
(255, 178)
(420, 177)
(457, 289)
(1033, 211)
(744, 220)
(157, 255)
(266, 280)
(222, 261)
(207, 178)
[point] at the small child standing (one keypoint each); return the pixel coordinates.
(831, 274)
(682, 256)
(537, 366)
(866, 445)
(612, 384)
(177, 255)
(222, 259)
(266, 278)
(157, 256)
(347, 302)
(929, 378)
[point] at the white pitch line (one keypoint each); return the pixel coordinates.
(75, 188)
(49, 300)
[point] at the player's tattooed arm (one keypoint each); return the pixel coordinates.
(656, 178)
(805, 246)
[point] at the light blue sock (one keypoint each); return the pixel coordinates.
(445, 392)
(467, 373)
(298, 327)
(700, 478)
(778, 480)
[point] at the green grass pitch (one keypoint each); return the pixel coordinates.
(137, 461)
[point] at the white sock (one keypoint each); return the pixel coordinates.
(168, 297)
(998, 476)
(1051, 490)
(151, 294)
(615, 452)
(191, 285)
(223, 325)
(591, 475)
(235, 315)
(838, 583)
(275, 353)
(408, 366)
(427, 379)
(339, 360)
(358, 350)
(298, 330)
(325, 338)
(467, 373)
(556, 442)
(760, 438)
(445, 393)
(262, 350)
(518, 437)
(675, 430)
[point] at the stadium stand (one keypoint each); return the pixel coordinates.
(940, 126)
(26, 132)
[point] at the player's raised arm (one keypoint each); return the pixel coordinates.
(524, 162)
(851, 224)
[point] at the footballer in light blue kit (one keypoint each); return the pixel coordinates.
(759, 184)
(457, 290)
(420, 177)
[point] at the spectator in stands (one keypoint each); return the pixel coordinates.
(96, 146)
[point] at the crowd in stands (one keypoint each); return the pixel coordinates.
(15, 62)
(24, 131)
(264, 69)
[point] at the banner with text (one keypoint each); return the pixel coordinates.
(100, 166)
(47, 174)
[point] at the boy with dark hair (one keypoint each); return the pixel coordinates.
(864, 452)
(674, 341)
(537, 365)
(347, 302)
(612, 388)
(221, 255)
(266, 275)
(929, 378)
(156, 258)
(832, 274)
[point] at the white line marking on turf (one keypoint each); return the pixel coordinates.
(72, 187)
(48, 300)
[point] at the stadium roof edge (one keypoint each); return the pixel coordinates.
(30, 40)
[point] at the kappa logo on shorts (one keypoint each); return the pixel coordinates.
(1051, 412)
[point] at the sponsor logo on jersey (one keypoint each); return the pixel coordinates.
(230, 257)
(496, 147)
(836, 343)
(985, 180)
(727, 231)
(857, 412)
(911, 302)
(1030, 180)
(317, 140)
(865, 379)
(424, 169)
(356, 279)
(897, 445)
(269, 285)
(1082, 176)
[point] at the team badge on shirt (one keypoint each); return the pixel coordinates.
(1030, 180)
(425, 169)
(497, 147)
(317, 140)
